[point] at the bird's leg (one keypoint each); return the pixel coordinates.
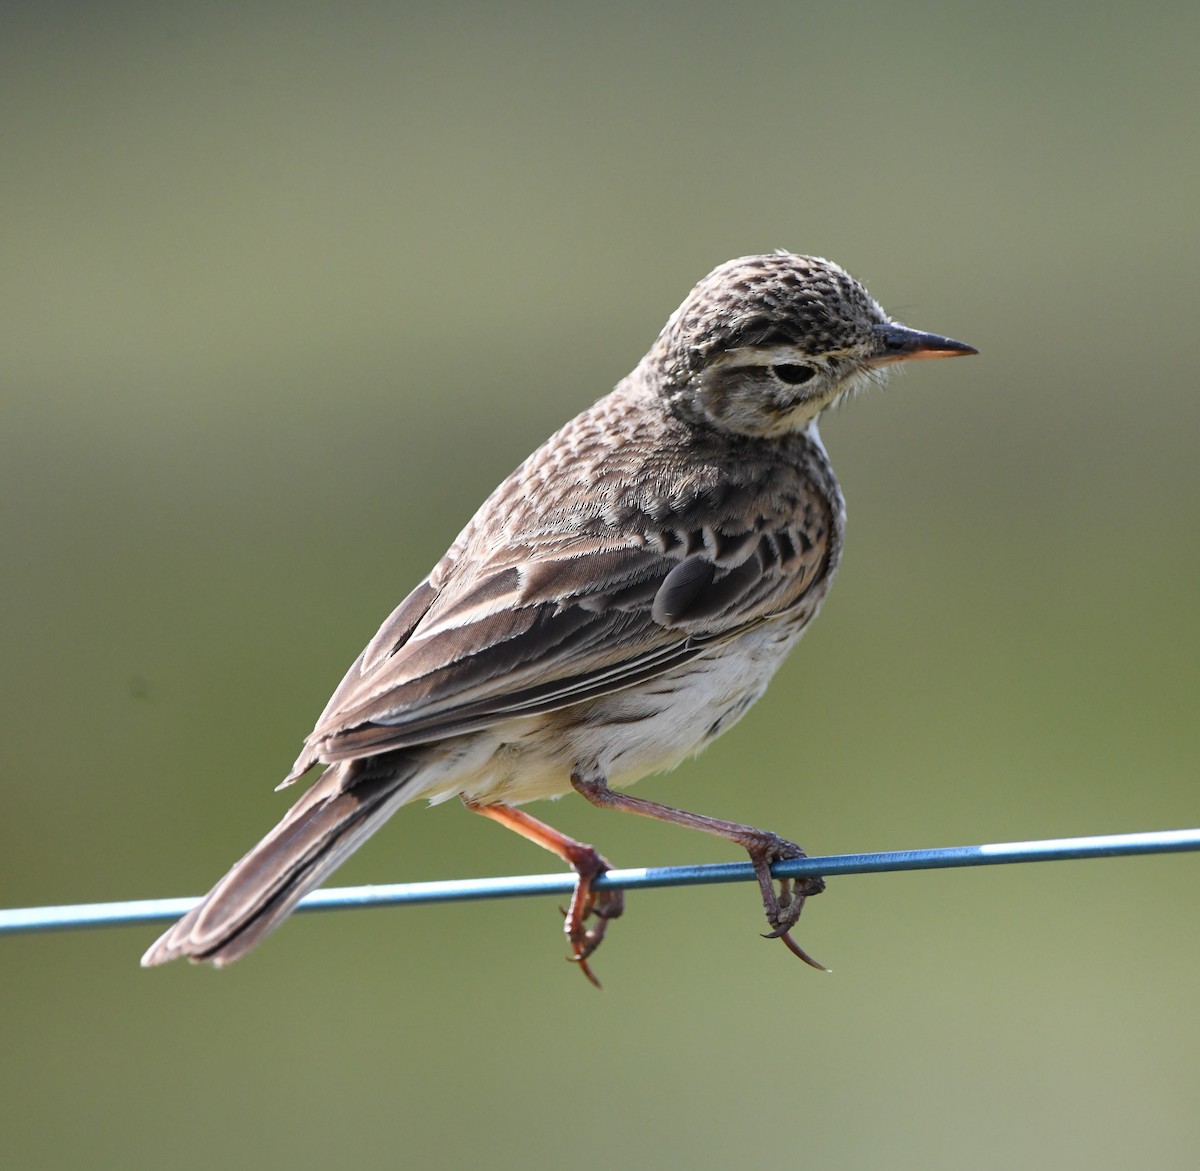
(782, 908)
(586, 861)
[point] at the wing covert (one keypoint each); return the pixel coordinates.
(560, 591)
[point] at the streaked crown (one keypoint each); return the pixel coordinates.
(763, 344)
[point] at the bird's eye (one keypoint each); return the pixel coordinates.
(794, 375)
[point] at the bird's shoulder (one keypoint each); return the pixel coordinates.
(628, 472)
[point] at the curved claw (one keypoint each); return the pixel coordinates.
(581, 960)
(797, 950)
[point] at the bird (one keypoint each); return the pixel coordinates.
(617, 603)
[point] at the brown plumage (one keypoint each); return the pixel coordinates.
(620, 600)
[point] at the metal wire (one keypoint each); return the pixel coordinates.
(341, 898)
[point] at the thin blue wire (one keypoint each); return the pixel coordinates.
(1054, 850)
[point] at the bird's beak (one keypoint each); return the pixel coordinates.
(898, 343)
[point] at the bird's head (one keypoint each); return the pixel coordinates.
(763, 344)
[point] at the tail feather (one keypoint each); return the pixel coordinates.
(316, 835)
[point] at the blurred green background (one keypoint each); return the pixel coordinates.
(287, 289)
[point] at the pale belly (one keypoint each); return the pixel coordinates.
(622, 737)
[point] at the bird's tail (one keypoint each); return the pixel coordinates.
(347, 804)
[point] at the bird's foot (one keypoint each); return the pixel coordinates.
(586, 861)
(589, 903)
(782, 906)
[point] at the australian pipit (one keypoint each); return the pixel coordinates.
(617, 603)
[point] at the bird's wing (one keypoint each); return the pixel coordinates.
(516, 632)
